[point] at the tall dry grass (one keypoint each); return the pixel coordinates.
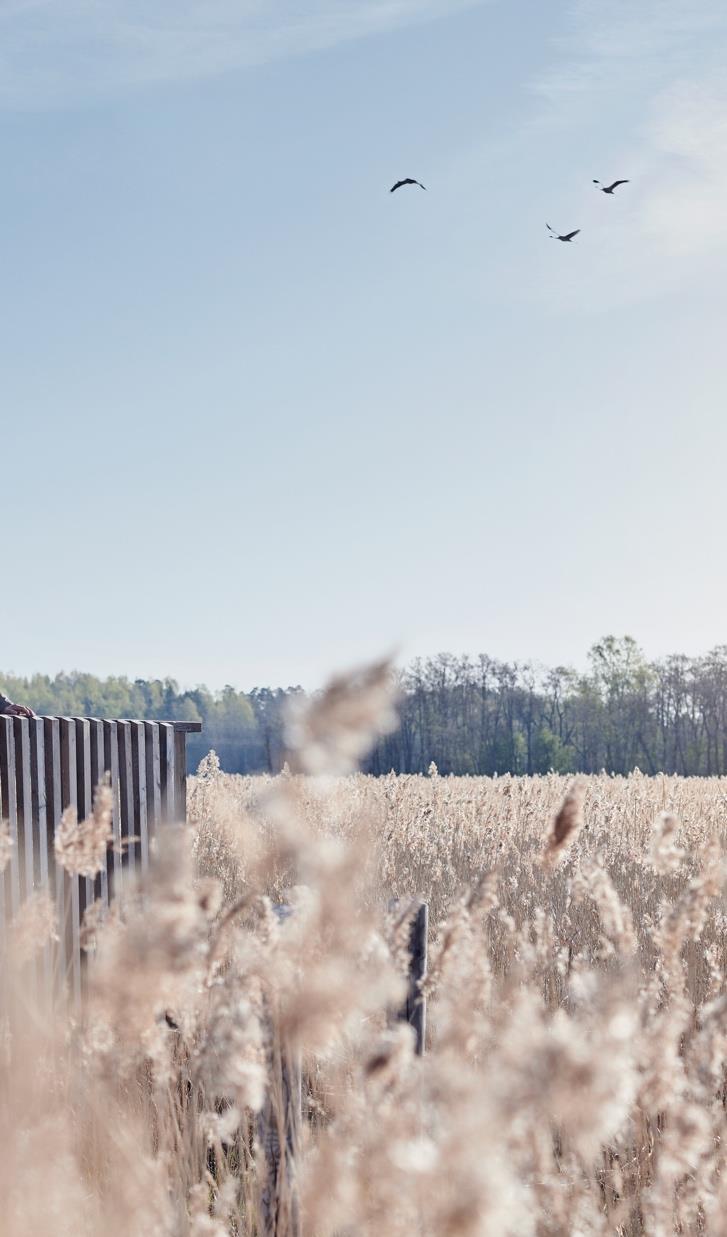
(575, 1076)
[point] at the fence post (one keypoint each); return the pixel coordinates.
(278, 1137)
(414, 1009)
(278, 1130)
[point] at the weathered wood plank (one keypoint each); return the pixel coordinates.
(153, 777)
(69, 796)
(138, 752)
(10, 808)
(38, 784)
(23, 789)
(180, 777)
(54, 808)
(414, 1009)
(5, 875)
(84, 776)
(278, 1131)
(41, 857)
(111, 760)
(126, 795)
(98, 771)
(166, 737)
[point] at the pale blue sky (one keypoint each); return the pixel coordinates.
(260, 419)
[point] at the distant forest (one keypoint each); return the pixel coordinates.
(471, 715)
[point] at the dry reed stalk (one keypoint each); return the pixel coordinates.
(34, 926)
(81, 846)
(333, 732)
(567, 823)
(664, 854)
(578, 1062)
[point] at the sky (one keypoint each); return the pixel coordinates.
(260, 419)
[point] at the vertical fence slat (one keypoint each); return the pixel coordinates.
(180, 776)
(143, 798)
(5, 722)
(166, 748)
(126, 795)
(414, 1010)
(153, 777)
(54, 808)
(416, 1004)
(10, 807)
(127, 811)
(138, 752)
(41, 873)
(4, 816)
(278, 1130)
(24, 793)
(26, 858)
(111, 760)
(83, 766)
(69, 794)
(23, 800)
(84, 775)
(37, 763)
(98, 770)
(4, 876)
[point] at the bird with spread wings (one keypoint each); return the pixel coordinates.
(556, 236)
(610, 188)
(408, 180)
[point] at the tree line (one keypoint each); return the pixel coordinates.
(483, 716)
(246, 729)
(468, 715)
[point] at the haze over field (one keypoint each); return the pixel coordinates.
(266, 418)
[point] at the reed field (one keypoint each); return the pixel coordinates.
(574, 1078)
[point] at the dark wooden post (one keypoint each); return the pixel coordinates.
(98, 771)
(54, 808)
(414, 1009)
(180, 775)
(278, 1131)
(278, 1137)
(9, 812)
(71, 924)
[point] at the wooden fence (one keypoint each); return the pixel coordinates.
(50, 763)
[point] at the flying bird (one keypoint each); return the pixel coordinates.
(610, 188)
(557, 237)
(407, 181)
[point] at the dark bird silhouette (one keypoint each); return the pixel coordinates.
(407, 181)
(610, 188)
(557, 237)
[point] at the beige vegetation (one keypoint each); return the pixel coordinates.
(575, 1076)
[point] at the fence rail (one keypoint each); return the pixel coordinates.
(50, 763)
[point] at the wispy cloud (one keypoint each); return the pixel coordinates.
(618, 47)
(643, 85)
(687, 136)
(53, 50)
